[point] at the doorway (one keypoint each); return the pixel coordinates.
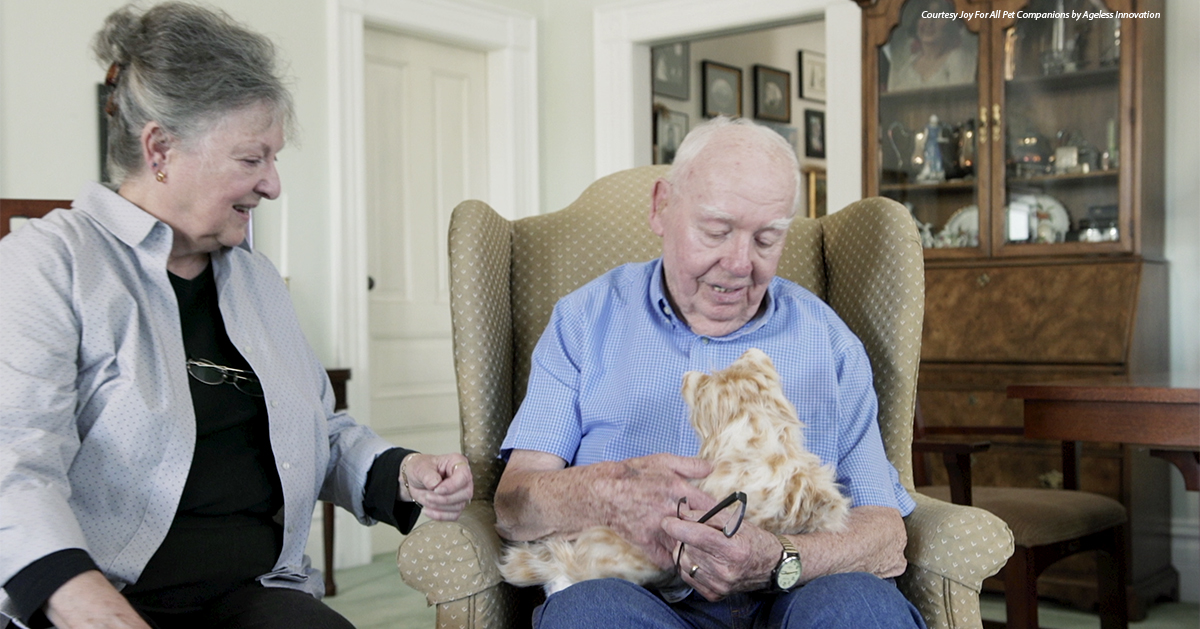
(426, 151)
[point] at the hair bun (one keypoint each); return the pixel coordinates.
(117, 39)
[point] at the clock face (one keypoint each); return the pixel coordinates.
(789, 573)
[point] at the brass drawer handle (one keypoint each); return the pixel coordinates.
(983, 124)
(983, 280)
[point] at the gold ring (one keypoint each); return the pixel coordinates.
(694, 570)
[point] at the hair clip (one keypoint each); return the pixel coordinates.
(114, 73)
(110, 80)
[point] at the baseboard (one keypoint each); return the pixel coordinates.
(1185, 548)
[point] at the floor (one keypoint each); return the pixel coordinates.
(374, 597)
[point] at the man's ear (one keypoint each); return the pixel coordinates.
(662, 192)
(155, 142)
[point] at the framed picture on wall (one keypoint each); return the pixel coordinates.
(772, 94)
(669, 129)
(789, 133)
(814, 133)
(669, 65)
(814, 185)
(722, 90)
(812, 75)
(102, 93)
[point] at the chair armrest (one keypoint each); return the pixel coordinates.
(959, 543)
(448, 561)
(957, 458)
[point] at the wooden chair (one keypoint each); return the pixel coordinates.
(13, 214)
(1047, 524)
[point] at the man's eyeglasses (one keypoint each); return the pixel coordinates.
(734, 507)
(214, 374)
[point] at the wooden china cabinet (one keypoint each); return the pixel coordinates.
(1030, 152)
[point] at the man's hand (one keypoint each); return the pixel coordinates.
(645, 490)
(89, 601)
(873, 542)
(723, 565)
(442, 484)
(539, 496)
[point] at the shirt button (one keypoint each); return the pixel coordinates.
(274, 404)
(248, 351)
(704, 340)
(287, 466)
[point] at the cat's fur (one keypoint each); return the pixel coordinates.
(750, 433)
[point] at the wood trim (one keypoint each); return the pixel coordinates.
(27, 208)
(337, 379)
(1175, 424)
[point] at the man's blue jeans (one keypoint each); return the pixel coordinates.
(855, 600)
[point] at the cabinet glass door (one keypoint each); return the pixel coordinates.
(929, 105)
(1062, 124)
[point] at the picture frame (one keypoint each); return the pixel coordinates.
(812, 75)
(670, 70)
(814, 187)
(670, 127)
(955, 63)
(789, 133)
(722, 95)
(772, 94)
(102, 93)
(814, 133)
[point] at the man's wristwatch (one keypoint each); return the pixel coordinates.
(786, 574)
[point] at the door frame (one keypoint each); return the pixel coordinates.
(509, 39)
(622, 37)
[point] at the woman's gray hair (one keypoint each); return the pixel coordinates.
(184, 67)
(764, 138)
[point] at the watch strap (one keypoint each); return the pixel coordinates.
(789, 551)
(788, 547)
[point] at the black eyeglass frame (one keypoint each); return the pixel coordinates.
(737, 496)
(245, 381)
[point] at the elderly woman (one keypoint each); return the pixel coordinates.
(166, 428)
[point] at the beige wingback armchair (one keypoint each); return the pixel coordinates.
(865, 261)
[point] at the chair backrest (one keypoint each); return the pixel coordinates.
(12, 211)
(507, 276)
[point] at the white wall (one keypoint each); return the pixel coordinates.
(1183, 252)
(49, 135)
(48, 143)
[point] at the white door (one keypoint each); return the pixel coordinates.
(426, 151)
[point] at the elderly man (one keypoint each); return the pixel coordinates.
(602, 436)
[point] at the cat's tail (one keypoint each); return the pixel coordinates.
(530, 563)
(597, 553)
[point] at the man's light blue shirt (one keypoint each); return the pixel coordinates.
(606, 377)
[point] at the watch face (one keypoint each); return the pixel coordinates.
(789, 573)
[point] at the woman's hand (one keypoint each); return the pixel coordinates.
(441, 484)
(89, 601)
